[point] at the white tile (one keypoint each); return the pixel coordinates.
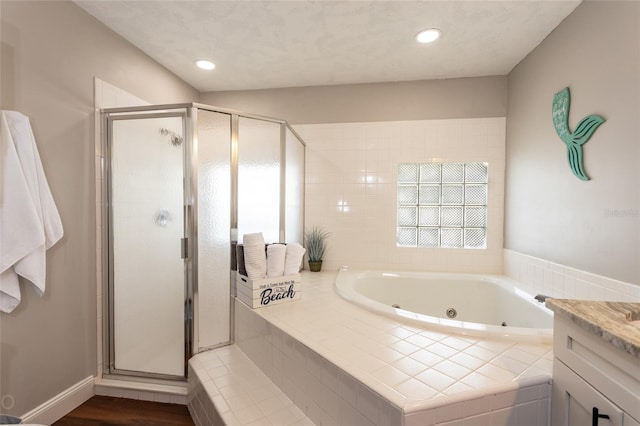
(502, 400)
(504, 417)
(347, 388)
(510, 364)
(421, 418)
(390, 415)
(248, 414)
(449, 412)
(368, 404)
(419, 340)
(401, 332)
(452, 369)
(409, 366)
(527, 394)
(415, 389)
(427, 358)
(457, 387)
(496, 373)
(479, 381)
(348, 415)
(435, 379)
(457, 343)
(527, 414)
(467, 360)
(390, 375)
(404, 347)
(479, 420)
(442, 350)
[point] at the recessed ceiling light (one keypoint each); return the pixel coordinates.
(428, 36)
(205, 65)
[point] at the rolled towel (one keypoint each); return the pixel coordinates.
(275, 260)
(255, 259)
(253, 239)
(293, 258)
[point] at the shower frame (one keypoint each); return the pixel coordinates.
(189, 113)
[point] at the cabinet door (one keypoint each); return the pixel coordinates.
(574, 401)
(630, 421)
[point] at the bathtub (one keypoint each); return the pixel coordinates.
(491, 306)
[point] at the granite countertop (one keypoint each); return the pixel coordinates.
(605, 319)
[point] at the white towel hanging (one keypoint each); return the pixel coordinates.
(29, 219)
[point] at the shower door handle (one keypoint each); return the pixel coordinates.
(184, 248)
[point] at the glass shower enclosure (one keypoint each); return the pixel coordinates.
(182, 183)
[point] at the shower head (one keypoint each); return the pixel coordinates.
(176, 139)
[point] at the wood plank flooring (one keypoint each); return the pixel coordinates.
(109, 411)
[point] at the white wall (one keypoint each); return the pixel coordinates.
(550, 214)
(351, 189)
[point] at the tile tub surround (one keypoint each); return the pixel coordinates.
(226, 388)
(351, 186)
(338, 362)
(563, 282)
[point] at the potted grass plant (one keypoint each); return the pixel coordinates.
(315, 245)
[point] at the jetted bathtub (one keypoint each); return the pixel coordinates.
(480, 305)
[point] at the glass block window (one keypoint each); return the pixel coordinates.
(442, 205)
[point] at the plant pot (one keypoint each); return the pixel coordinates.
(315, 265)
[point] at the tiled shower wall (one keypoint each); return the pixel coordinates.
(351, 171)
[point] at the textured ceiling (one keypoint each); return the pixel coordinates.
(267, 44)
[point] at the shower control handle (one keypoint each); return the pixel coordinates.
(184, 248)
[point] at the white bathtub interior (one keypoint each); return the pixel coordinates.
(489, 305)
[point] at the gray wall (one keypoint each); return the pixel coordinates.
(595, 225)
(50, 53)
(412, 100)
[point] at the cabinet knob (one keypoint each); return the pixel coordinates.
(595, 416)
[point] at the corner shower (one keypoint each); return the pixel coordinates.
(181, 184)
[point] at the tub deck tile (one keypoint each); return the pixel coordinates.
(396, 359)
(226, 388)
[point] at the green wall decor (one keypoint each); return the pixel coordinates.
(574, 141)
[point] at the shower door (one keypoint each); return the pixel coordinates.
(147, 270)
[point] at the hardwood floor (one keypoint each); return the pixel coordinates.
(108, 411)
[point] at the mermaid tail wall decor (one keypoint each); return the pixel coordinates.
(574, 141)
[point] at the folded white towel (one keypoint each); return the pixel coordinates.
(275, 260)
(29, 219)
(293, 259)
(255, 259)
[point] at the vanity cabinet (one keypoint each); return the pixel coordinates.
(594, 382)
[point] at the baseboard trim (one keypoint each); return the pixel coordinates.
(61, 404)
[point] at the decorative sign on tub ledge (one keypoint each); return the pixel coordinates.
(268, 291)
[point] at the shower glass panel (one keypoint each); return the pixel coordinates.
(148, 289)
(294, 188)
(214, 219)
(183, 182)
(259, 178)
